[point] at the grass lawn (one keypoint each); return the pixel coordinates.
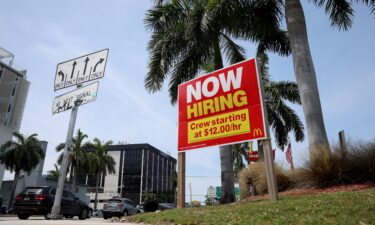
(326, 208)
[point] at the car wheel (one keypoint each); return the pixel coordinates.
(23, 216)
(89, 214)
(105, 217)
(83, 214)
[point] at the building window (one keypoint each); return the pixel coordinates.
(14, 90)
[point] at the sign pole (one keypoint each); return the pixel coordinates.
(267, 150)
(181, 180)
(55, 212)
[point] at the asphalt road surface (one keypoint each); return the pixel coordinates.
(37, 220)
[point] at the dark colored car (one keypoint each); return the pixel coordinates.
(39, 201)
(119, 207)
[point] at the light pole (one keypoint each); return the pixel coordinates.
(191, 198)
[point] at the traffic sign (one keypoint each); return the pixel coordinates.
(82, 69)
(75, 98)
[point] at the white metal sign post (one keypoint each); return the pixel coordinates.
(55, 212)
(69, 73)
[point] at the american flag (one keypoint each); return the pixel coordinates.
(289, 157)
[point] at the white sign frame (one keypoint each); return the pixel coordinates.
(80, 70)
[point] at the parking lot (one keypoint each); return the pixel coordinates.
(36, 220)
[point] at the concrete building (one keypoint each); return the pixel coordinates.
(13, 93)
(140, 169)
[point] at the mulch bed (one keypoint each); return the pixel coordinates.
(298, 192)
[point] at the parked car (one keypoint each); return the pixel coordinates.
(39, 201)
(166, 206)
(119, 207)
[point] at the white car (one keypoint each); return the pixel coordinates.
(119, 207)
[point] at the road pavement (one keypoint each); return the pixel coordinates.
(38, 220)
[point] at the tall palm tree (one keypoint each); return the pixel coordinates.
(282, 119)
(77, 155)
(186, 36)
(54, 174)
(341, 14)
(22, 153)
(100, 162)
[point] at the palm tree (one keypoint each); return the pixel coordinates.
(77, 155)
(239, 152)
(341, 14)
(281, 117)
(54, 174)
(186, 36)
(100, 162)
(23, 153)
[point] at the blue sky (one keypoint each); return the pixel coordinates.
(42, 34)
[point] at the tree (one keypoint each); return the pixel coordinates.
(22, 153)
(341, 14)
(54, 174)
(281, 117)
(189, 35)
(100, 163)
(77, 155)
(239, 152)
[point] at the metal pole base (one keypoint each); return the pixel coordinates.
(53, 215)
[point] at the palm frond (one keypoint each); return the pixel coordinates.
(340, 12)
(234, 52)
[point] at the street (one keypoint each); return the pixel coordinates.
(36, 220)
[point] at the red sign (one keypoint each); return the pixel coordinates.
(221, 107)
(254, 156)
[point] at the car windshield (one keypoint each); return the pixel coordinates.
(32, 191)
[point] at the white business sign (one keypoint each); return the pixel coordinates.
(211, 192)
(75, 98)
(80, 70)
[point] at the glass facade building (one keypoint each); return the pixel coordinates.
(141, 170)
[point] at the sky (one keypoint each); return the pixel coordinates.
(43, 33)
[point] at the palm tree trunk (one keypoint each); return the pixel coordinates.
(74, 172)
(14, 186)
(96, 190)
(306, 78)
(226, 158)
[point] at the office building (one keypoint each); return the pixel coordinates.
(141, 169)
(13, 93)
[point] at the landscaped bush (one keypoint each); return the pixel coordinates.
(255, 174)
(356, 165)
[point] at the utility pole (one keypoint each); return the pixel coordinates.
(181, 180)
(55, 212)
(191, 197)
